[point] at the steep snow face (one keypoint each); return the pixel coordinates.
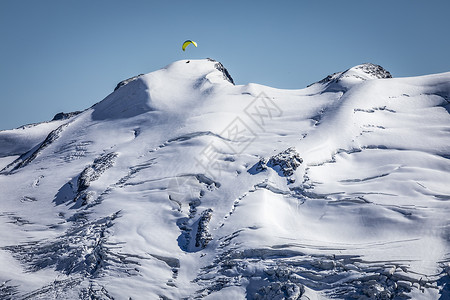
(180, 184)
(20, 140)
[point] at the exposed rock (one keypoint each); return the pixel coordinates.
(328, 79)
(95, 291)
(126, 81)
(375, 71)
(203, 236)
(222, 69)
(65, 116)
(285, 163)
(92, 173)
(363, 72)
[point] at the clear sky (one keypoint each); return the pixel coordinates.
(62, 55)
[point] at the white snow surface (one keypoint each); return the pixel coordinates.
(182, 185)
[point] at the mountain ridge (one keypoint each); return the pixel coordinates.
(181, 184)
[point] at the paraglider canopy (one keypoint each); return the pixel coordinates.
(186, 43)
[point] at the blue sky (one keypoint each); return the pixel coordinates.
(67, 55)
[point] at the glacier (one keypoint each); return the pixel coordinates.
(182, 185)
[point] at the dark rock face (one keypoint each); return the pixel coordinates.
(203, 236)
(126, 81)
(285, 163)
(327, 79)
(374, 71)
(65, 116)
(280, 290)
(222, 69)
(92, 173)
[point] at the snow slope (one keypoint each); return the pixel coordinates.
(180, 184)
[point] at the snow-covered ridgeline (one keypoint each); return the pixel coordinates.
(181, 184)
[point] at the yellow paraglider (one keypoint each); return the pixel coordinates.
(187, 43)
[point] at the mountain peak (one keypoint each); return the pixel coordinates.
(207, 68)
(181, 185)
(356, 74)
(222, 69)
(202, 62)
(373, 71)
(172, 89)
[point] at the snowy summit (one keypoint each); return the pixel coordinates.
(182, 185)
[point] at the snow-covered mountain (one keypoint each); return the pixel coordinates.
(180, 184)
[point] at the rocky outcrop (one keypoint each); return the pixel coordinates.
(222, 69)
(203, 236)
(374, 71)
(126, 81)
(65, 116)
(285, 163)
(363, 72)
(280, 290)
(92, 173)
